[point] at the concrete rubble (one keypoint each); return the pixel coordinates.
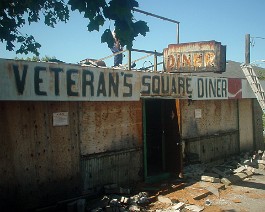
(230, 171)
(211, 178)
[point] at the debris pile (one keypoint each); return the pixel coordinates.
(230, 171)
(115, 198)
(201, 181)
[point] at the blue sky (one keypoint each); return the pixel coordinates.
(225, 21)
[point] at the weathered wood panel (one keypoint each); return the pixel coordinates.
(39, 162)
(110, 126)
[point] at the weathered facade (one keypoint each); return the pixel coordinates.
(39, 162)
(213, 134)
(110, 138)
(65, 129)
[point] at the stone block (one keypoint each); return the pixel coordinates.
(240, 169)
(241, 175)
(226, 181)
(210, 179)
(163, 199)
(261, 166)
(230, 180)
(259, 171)
(178, 206)
(248, 173)
(125, 200)
(194, 208)
(261, 162)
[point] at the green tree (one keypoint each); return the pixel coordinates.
(37, 59)
(14, 14)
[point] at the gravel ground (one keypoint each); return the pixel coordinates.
(246, 195)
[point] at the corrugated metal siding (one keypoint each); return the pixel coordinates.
(214, 147)
(116, 167)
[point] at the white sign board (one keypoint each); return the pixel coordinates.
(198, 113)
(60, 119)
(40, 81)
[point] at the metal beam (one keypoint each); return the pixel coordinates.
(161, 17)
(148, 52)
(156, 16)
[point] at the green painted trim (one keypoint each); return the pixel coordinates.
(145, 143)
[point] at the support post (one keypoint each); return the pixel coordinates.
(129, 59)
(247, 49)
(155, 62)
(178, 33)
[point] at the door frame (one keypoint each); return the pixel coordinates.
(165, 174)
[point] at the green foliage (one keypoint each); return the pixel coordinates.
(260, 73)
(38, 59)
(107, 38)
(15, 14)
(28, 44)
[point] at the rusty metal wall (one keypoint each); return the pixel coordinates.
(122, 167)
(216, 116)
(246, 124)
(110, 126)
(209, 128)
(39, 162)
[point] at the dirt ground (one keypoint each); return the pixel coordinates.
(246, 195)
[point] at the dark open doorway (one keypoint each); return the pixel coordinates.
(162, 149)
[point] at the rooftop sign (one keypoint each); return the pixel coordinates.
(195, 57)
(39, 81)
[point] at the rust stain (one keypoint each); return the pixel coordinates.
(194, 56)
(10, 70)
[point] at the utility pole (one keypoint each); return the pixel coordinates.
(247, 49)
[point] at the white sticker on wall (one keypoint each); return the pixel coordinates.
(198, 113)
(60, 119)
